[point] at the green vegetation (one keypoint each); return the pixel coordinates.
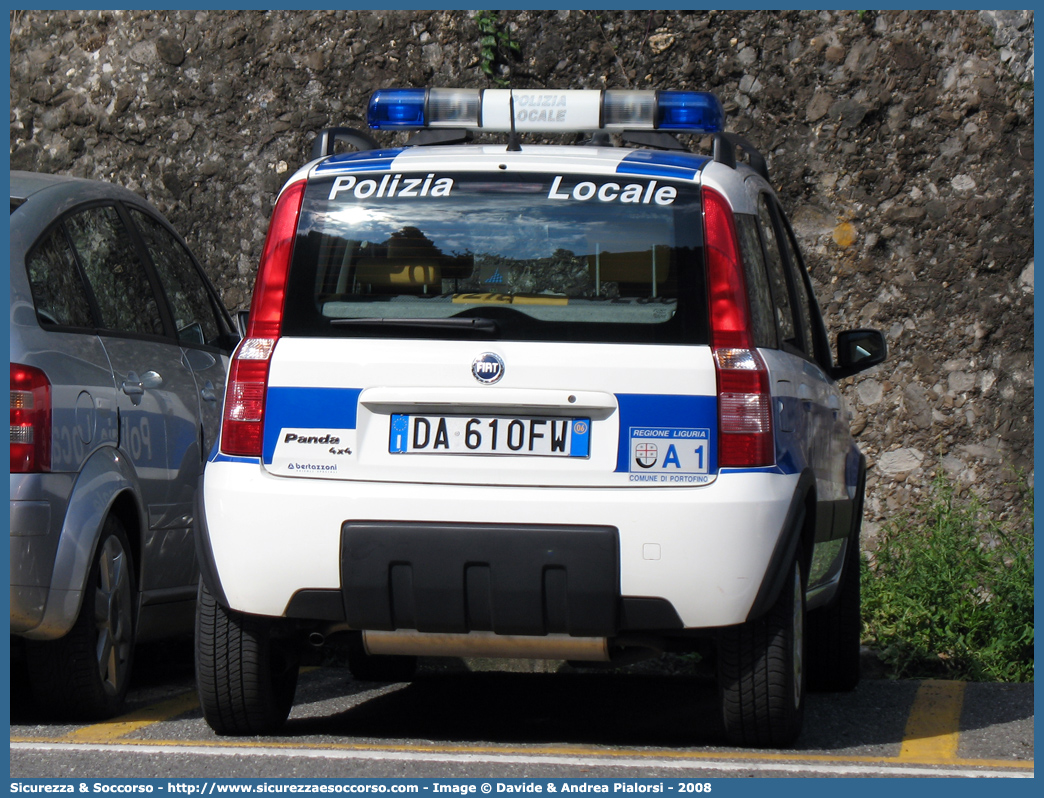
(949, 591)
(496, 45)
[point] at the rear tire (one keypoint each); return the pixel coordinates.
(761, 678)
(246, 675)
(85, 674)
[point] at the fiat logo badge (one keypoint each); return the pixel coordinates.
(487, 368)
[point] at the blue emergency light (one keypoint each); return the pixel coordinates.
(546, 111)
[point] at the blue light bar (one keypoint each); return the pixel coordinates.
(546, 110)
(392, 109)
(690, 110)
(412, 109)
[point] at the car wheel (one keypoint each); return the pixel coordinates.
(378, 667)
(834, 631)
(761, 671)
(246, 674)
(85, 674)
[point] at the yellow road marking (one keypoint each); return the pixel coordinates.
(933, 727)
(111, 730)
(114, 729)
(931, 738)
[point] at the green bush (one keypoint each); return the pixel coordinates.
(496, 45)
(948, 593)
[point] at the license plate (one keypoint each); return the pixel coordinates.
(542, 437)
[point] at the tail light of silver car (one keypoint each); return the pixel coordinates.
(30, 420)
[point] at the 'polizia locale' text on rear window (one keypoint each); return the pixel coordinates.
(535, 257)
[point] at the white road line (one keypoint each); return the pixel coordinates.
(815, 768)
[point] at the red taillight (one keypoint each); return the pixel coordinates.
(266, 309)
(242, 427)
(30, 420)
(729, 310)
(744, 410)
(744, 402)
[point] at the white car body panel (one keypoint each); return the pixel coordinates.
(703, 544)
(703, 549)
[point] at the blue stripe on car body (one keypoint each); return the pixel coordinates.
(371, 161)
(337, 408)
(645, 163)
(297, 407)
(669, 411)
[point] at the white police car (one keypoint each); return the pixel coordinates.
(571, 402)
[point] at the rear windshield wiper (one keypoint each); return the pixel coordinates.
(475, 324)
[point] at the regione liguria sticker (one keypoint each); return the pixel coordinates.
(670, 455)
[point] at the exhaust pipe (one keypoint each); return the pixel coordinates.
(487, 644)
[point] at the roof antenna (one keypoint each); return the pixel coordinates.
(513, 145)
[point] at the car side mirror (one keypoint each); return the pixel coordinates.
(858, 350)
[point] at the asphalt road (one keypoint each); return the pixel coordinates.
(455, 723)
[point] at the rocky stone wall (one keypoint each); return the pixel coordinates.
(901, 142)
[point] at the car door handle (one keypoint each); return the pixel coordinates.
(208, 392)
(133, 387)
(805, 397)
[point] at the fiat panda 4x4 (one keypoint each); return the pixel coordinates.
(511, 400)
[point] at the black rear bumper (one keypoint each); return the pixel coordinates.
(510, 579)
(457, 578)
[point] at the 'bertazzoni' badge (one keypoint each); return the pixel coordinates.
(487, 368)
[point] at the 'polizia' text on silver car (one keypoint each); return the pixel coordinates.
(119, 349)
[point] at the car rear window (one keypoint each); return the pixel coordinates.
(541, 257)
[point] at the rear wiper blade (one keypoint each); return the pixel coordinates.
(477, 324)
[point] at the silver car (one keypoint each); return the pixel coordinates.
(119, 348)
